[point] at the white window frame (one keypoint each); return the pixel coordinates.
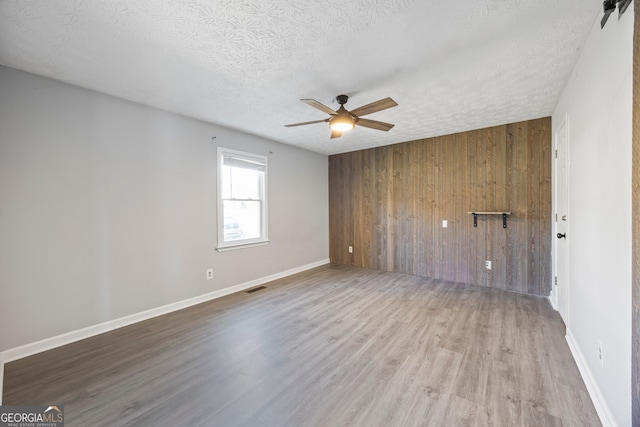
(244, 243)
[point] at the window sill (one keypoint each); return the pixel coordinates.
(241, 246)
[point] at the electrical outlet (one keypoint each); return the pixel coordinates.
(600, 354)
(350, 249)
(444, 223)
(487, 265)
(209, 273)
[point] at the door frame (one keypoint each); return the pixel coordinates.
(556, 218)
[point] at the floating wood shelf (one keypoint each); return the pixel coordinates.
(504, 217)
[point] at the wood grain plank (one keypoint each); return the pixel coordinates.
(491, 229)
(336, 345)
(446, 183)
(463, 223)
(520, 207)
(356, 211)
(533, 209)
(417, 202)
(437, 172)
(478, 201)
(399, 201)
(429, 206)
(499, 259)
(389, 202)
(545, 235)
(511, 246)
(370, 222)
(382, 222)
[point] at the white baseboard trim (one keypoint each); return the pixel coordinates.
(553, 299)
(80, 334)
(606, 418)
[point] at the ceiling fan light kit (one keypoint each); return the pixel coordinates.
(342, 123)
(344, 120)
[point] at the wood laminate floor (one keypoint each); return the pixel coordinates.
(334, 346)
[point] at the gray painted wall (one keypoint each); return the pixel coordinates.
(597, 103)
(108, 208)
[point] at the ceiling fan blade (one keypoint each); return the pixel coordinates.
(306, 123)
(380, 105)
(319, 106)
(335, 134)
(374, 124)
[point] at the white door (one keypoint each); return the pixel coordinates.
(561, 237)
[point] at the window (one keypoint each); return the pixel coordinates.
(242, 199)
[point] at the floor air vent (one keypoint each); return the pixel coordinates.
(259, 288)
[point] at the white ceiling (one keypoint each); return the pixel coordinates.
(451, 65)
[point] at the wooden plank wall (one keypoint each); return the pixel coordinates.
(389, 203)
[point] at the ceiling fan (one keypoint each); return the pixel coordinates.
(344, 120)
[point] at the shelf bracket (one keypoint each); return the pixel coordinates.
(504, 217)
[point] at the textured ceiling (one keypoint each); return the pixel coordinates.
(450, 65)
